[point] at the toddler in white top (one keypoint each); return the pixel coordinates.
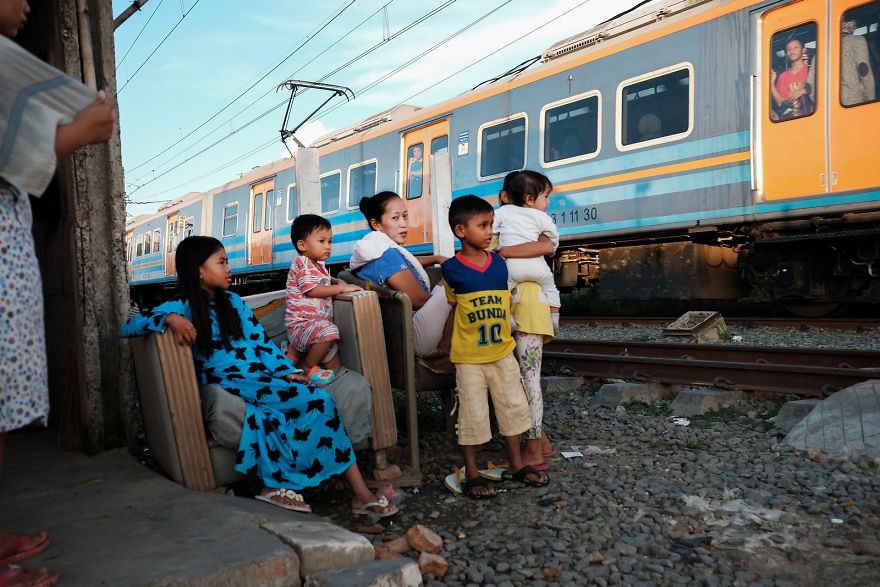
(524, 222)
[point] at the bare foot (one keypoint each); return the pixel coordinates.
(18, 547)
(532, 455)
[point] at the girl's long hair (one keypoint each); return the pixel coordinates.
(373, 207)
(191, 254)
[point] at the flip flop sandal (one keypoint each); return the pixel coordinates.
(453, 481)
(39, 578)
(493, 472)
(470, 484)
(382, 502)
(521, 476)
(14, 552)
(299, 503)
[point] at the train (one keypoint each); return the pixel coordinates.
(699, 149)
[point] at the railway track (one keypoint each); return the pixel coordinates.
(808, 372)
(774, 322)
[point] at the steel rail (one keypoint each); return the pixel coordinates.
(838, 358)
(771, 321)
(800, 379)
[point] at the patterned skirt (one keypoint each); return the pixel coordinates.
(24, 392)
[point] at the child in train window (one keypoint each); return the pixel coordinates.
(792, 89)
(311, 333)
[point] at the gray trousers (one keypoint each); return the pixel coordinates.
(224, 412)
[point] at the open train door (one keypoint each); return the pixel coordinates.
(794, 105)
(172, 235)
(260, 233)
(854, 106)
(418, 146)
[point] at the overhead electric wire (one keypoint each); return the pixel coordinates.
(249, 88)
(284, 102)
(143, 28)
(153, 52)
(408, 27)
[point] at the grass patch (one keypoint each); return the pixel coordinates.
(725, 415)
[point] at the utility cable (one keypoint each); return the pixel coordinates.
(153, 52)
(143, 28)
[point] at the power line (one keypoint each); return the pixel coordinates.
(143, 28)
(249, 88)
(153, 52)
(284, 102)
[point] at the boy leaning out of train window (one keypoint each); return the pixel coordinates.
(311, 333)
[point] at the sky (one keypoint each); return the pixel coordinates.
(197, 79)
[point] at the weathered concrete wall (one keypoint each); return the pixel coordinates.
(79, 228)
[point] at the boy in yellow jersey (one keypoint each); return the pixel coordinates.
(482, 347)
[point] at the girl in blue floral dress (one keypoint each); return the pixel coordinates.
(293, 436)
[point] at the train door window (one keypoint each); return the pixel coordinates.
(502, 146)
(292, 204)
(440, 144)
(140, 246)
(654, 108)
(361, 182)
(230, 219)
(171, 237)
(157, 235)
(793, 62)
(570, 130)
(270, 204)
(257, 219)
(148, 243)
(330, 187)
(128, 248)
(860, 55)
(415, 169)
(189, 227)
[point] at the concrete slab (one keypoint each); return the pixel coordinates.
(793, 412)
(846, 422)
(560, 384)
(115, 522)
(401, 572)
(322, 546)
(612, 395)
(693, 402)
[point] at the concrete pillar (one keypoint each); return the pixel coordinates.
(308, 181)
(79, 233)
(441, 198)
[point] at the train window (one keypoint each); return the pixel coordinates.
(415, 168)
(171, 236)
(270, 201)
(502, 146)
(257, 217)
(189, 227)
(570, 129)
(793, 73)
(330, 191)
(128, 248)
(230, 219)
(140, 246)
(157, 235)
(860, 55)
(656, 107)
(361, 182)
(292, 203)
(440, 144)
(148, 243)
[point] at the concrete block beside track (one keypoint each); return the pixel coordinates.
(793, 412)
(612, 395)
(322, 546)
(693, 402)
(561, 384)
(401, 572)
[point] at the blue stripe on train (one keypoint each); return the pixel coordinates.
(716, 215)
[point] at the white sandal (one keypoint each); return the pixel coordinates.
(381, 503)
(299, 504)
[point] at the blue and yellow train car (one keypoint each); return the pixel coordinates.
(714, 148)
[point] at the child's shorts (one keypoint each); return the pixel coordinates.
(302, 335)
(502, 379)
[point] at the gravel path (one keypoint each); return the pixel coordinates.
(865, 339)
(719, 502)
